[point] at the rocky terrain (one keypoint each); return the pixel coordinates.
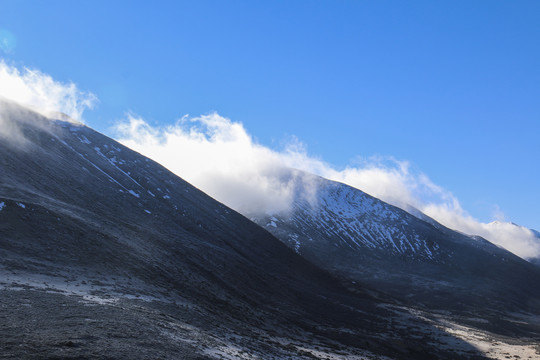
(106, 254)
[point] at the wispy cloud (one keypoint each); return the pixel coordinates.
(221, 158)
(42, 93)
(7, 41)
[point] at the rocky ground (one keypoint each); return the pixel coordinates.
(46, 317)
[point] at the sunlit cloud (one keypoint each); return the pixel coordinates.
(217, 156)
(221, 158)
(519, 240)
(41, 93)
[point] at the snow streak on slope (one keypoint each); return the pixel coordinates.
(350, 218)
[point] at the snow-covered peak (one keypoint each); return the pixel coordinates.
(337, 215)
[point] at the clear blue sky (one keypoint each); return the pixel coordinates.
(452, 86)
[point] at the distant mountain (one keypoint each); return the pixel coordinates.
(106, 254)
(365, 240)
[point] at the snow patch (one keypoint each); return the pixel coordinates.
(147, 211)
(354, 220)
(294, 237)
(84, 139)
(134, 194)
(21, 205)
(113, 162)
(2, 205)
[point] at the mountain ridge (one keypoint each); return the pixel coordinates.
(363, 239)
(106, 253)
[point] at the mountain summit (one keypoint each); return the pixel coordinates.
(363, 239)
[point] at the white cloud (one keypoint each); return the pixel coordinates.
(42, 93)
(519, 240)
(221, 158)
(217, 156)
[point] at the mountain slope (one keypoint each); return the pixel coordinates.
(365, 240)
(105, 253)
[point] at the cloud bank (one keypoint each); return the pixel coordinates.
(42, 93)
(221, 158)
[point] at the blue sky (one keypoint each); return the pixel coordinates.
(453, 87)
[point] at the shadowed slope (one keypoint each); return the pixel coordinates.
(106, 253)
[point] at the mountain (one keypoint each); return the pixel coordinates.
(106, 254)
(364, 240)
